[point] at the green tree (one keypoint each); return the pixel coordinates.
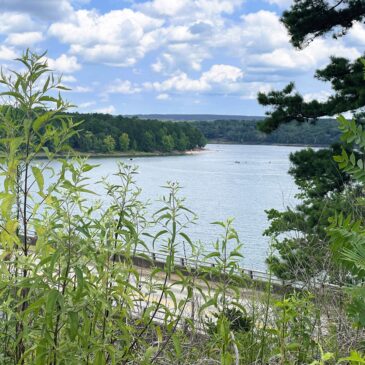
(300, 235)
(168, 143)
(182, 142)
(134, 145)
(109, 143)
(306, 20)
(87, 142)
(347, 230)
(148, 142)
(346, 79)
(124, 142)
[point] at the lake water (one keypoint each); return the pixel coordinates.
(223, 181)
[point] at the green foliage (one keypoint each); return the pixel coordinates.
(347, 229)
(109, 144)
(77, 282)
(346, 80)
(299, 234)
(69, 290)
(307, 19)
(124, 142)
(168, 143)
(295, 327)
(244, 131)
(143, 135)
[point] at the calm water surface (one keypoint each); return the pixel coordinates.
(224, 181)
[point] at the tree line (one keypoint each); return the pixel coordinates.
(107, 133)
(324, 132)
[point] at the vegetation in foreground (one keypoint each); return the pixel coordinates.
(70, 292)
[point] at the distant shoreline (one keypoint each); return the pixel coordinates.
(267, 144)
(129, 154)
(138, 154)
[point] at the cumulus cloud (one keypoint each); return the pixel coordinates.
(123, 87)
(118, 37)
(24, 39)
(177, 39)
(181, 56)
(15, 22)
(357, 34)
(320, 96)
(7, 53)
(251, 89)
(81, 89)
(64, 64)
(190, 8)
(281, 3)
(315, 55)
(69, 78)
(86, 104)
(163, 96)
(218, 76)
(106, 110)
(47, 9)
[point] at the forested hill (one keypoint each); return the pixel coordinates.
(107, 133)
(197, 117)
(324, 132)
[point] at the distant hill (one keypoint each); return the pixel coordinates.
(322, 133)
(198, 117)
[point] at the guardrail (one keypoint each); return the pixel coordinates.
(254, 275)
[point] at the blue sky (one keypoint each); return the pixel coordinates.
(168, 56)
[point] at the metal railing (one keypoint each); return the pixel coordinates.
(254, 275)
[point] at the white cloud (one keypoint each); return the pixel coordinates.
(222, 74)
(255, 32)
(250, 90)
(69, 78)
(119, 37)
(163, 96)
(106, 110)
(357, 33)
(81, 89)
(122, 87)
(320, 96)
(7, 53)
(179, 82)
(313, 56)
(64, 64)
(181, 56)
(167, 7)
(86, 104)
(24, 39)
(15, 22)
(47, 9)
(190, 8)
(281, 3)
(218, 76)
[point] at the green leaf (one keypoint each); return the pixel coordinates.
(80, 281)
(177, 346)
(73, 320)
(38, 177)
(99, 358)
(147, 358)
(42, 119)
(52, 298)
